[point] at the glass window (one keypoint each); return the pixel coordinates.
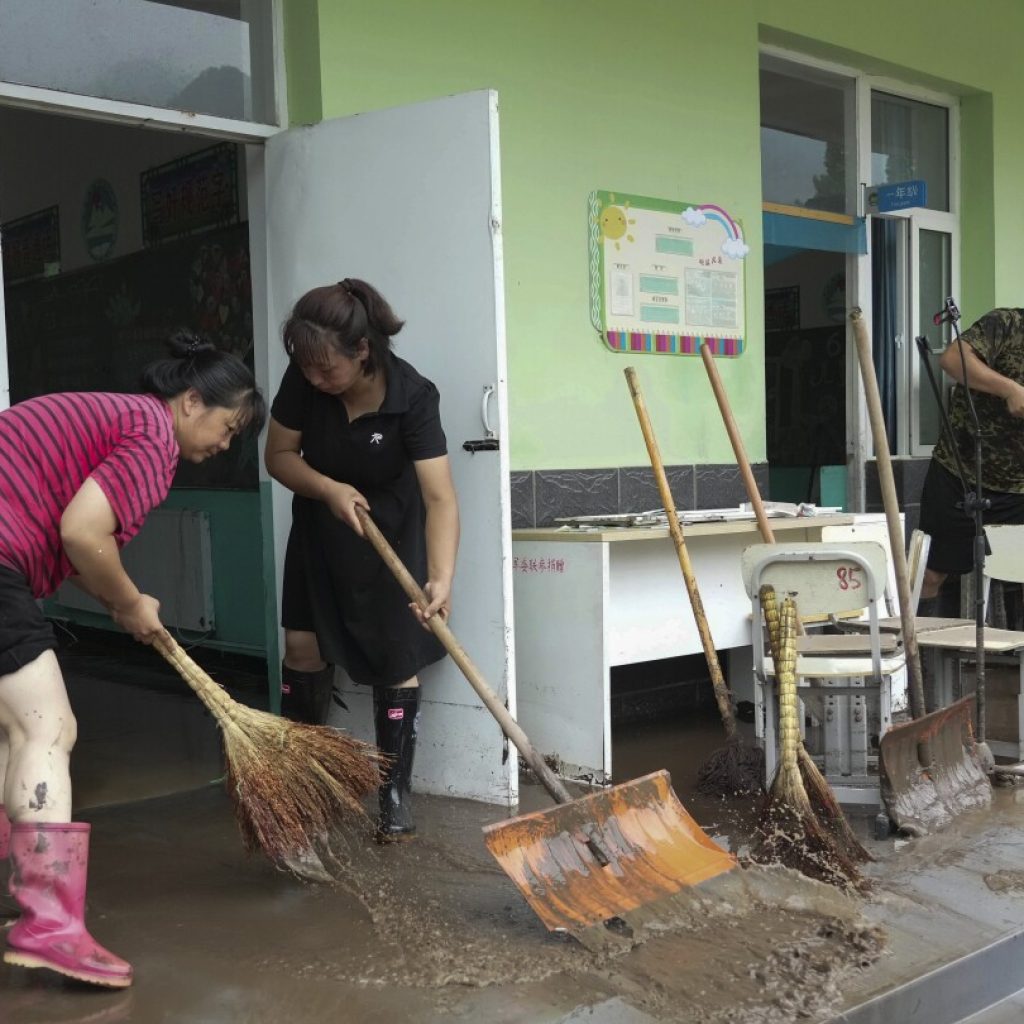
(807, 151)
(909, 141)
(202, 56)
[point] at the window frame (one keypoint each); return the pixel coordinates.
(142, 115)
(910, 377)
(860, 446)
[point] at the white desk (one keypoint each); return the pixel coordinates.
(951, 648)
(586, 601)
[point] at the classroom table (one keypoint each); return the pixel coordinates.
(588, 600)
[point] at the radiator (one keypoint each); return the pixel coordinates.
(169, 559)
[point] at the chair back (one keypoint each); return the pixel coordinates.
(1006, 561)
(825, 578)
(917, 562)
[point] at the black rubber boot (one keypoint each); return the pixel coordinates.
(306, 696)
(395, 718)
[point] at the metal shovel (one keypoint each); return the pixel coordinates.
(589, 860)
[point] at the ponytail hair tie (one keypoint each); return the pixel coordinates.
(193, 347)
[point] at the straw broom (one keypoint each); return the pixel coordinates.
(291, 783)
(822, 799)
(788, 830)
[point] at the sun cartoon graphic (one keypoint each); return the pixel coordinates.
(614, 222)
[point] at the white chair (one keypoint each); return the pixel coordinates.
(837, 673)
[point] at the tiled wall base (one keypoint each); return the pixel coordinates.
(539, 497)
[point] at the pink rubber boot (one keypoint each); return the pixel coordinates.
(48, 871)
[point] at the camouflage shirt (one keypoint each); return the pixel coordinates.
(998, 340)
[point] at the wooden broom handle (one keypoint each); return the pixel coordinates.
(212, 694)
(891, 506)
(722, 696)
(440, 629)
(733, 430)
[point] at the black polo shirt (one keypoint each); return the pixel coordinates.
(375, 448)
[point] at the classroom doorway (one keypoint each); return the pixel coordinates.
(113, 237)
(805, 374)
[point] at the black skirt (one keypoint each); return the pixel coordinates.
(337, 586)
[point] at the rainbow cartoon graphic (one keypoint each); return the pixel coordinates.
(734, 247)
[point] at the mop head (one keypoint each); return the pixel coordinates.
(733, 770)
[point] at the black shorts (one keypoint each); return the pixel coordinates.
(951, 530)
(24, 631)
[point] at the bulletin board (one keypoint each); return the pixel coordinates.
(666, 277)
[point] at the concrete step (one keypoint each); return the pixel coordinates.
(1009, 1011)
(985, 986)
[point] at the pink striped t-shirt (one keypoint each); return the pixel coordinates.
(48, 447)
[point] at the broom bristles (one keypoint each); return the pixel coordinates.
(733, 770)
(789, 831)
(292, 783)
(823, 800)
(828, 811)
(794, 838)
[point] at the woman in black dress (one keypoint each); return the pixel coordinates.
(354, 425)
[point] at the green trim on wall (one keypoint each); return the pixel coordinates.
(978, 214)
(302, 61)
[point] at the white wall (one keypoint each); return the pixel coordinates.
(46, 160)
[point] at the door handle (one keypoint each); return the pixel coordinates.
(489, 442)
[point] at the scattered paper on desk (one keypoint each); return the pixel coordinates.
(658, 518)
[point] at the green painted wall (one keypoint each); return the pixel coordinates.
(302, 59)
(657, 97)
(236, 542)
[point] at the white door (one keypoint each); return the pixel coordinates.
(409, 200)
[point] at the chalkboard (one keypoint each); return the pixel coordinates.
(95, 329)
(805, 396)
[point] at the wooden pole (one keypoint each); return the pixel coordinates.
(892, 516)
(722, 695)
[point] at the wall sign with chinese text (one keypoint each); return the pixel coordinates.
(666, 277)
(896, 195)
(191, 194)
(31, 245)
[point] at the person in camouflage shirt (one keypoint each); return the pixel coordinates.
(993, 349)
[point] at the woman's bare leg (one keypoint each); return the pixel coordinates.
(301, 651)
(41, 732)
(5, 753)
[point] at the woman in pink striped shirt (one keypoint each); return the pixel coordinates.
(79, 472)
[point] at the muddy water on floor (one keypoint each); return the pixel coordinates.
(680, 745)
(433, 929)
